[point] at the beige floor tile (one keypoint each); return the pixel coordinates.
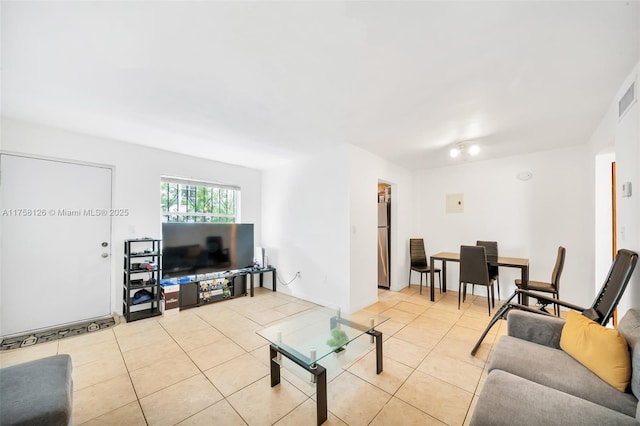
(432, 325)
(192, 339)
(411, 307)
(237, 373)
(419, 336)
(87, 339)
(30, 353)
(345, 399)
(249, 340)
(265, 317)
(472, 407)
(306, 414)
(468, 335)
(131, 340)
(439, 399)
(404, 352)
(157, 352)
(220, 413)
(88, 354)
(381, 306)
(261, 404)
(102, 398)
(443, 315)
(458, 349)
(130, 415)
(159, 375)
(453, 371)
(291, 308)
(165, 357)
(393, 373)
(98, 371)
(390, 327)
(399, 316)
(180, 401)
(209, 356)
(398, 412)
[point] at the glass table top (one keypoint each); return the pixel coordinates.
(316, 334)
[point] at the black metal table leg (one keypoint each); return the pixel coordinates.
(275, 367)
(378, 337)
(321, 397)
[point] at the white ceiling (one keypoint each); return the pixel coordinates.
(256, 83)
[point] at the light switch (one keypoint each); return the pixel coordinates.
(626, 189)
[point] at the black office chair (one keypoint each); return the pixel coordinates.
(491, 248)
(474, 270)
(552, 287)
(600, 311)
(419, 261)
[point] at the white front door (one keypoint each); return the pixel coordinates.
(55, 228)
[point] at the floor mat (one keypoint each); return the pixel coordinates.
(41, 336)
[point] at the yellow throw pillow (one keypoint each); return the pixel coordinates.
(602, 350)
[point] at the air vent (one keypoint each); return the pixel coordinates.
(627, 100)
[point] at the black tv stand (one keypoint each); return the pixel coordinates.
(194, 293)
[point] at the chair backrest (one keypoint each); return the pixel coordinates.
(613, 288)
(491, 249)
(557, 269)
(473, 265)
(417, 253)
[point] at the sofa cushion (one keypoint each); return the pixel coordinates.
(602, 350)
(554, 368)
(507, 399)
(629, 327)
(37, 392)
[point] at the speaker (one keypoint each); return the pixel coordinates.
(260, 256)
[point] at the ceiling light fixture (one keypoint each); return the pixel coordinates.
(467, 148)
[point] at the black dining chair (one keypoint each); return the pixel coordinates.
(419, 261)
(552, 286)
(491, 249)
(474, 270)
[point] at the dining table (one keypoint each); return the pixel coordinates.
(510, 262)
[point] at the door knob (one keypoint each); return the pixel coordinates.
(104, 244)
(105, 254)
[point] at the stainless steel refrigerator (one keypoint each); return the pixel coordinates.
(383, 244)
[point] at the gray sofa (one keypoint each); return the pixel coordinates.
(532, 381)
(37, 392)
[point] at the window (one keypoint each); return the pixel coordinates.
(184, 200)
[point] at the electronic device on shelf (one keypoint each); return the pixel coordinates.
(200, 248)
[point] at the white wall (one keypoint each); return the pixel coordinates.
(528, 218)
(306, 226)
(624, 135)
(366, 170)
(320, 218)
(137, 172)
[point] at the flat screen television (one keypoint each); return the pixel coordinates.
(200, 248)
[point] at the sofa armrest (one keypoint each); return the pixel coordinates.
(536, 328)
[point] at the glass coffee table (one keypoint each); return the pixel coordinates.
(312, 336)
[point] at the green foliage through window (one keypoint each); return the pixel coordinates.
(187, 202)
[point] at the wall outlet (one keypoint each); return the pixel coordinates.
(299, 274)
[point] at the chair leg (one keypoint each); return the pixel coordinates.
(440, 281)
(498, 284)
(493, 299)
(501, 313)
(420, 282)
(459, 291)
(489, 299)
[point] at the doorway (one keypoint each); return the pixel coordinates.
(384, 235)
(55, 259)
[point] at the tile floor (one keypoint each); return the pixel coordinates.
(207, 366)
